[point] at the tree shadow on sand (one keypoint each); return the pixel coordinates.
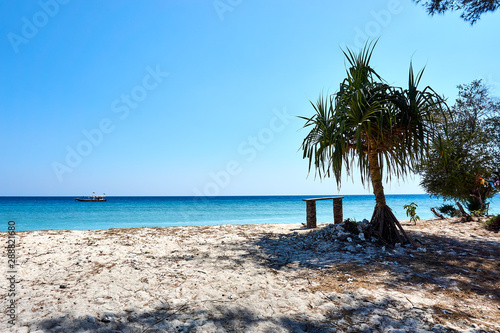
(349, 312)
(461, 268)
(445, 262)
(181, 318)
(464, 271)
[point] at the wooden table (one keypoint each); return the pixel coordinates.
(311, 210)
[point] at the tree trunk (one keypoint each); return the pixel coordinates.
(437, 214)
(384, 225)
(466, 217)
(376, 177)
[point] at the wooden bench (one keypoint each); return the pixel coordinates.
(311, 210)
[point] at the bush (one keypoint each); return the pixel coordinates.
(478, 213)
(351, 225)
(411, 212)
(474, 205)
(492, 223)
(447, 209)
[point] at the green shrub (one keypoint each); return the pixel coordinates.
(493, 223)
(411, 212)
(351, 225)
(477, 213)
(448, 210)
(473, 205)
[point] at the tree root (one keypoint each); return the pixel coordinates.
(437, 214)
(386, 227)
(466, 217)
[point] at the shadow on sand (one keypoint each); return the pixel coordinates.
(181, 319)
(447, 265)
(445, 262)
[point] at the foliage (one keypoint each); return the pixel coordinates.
(351, 225)
(381, 128)
(464, 158)
(493, 223)
(471, 9)
(474, 206)
(477, 213)
(369, 117)
(447, 209)
(411, 212)
(351, 220)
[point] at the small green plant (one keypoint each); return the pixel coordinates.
(478, 213)
(493, 223)
(351, 220)
(447, 209)
(351, 225)
(411, 212)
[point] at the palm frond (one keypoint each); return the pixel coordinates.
(368, 116)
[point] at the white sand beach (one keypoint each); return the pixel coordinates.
(255, 278)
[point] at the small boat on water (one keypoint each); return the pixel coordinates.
(93, 198)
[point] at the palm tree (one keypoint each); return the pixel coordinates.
(382, 128)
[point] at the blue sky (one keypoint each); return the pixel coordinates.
(201, 97)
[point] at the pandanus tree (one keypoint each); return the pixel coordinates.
(385, 130)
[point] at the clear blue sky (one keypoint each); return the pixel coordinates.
(201, 97)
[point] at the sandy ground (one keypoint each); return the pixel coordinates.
(255, 278)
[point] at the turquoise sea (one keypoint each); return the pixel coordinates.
(42, 213)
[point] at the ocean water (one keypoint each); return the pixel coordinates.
(59, 213)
